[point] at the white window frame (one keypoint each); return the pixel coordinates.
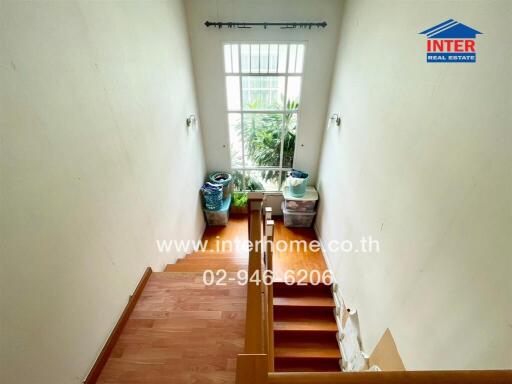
(243, 169)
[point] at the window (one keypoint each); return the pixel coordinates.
(263, 84)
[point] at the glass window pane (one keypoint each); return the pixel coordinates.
(262, 135)
(290, 134)
(235, 139)
(245, 50)
(282, 58)
(227, 58)
(300, 58)
(262, 92)
(292, 57)
(293, 92)
(233, 92)
(255, 58)
(272, 60)
(264, 58)
(234, 58)
(269, 180)
(238, 180)
(284, 175)
(258, 139)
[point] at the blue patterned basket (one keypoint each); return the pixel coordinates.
(212, 196)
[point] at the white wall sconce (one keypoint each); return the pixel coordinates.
(336, 119)
(191, 120)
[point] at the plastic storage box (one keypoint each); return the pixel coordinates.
(297, 219)
(307, 203)
(219, 217)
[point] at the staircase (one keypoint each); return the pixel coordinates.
(304, 324)
(305, 329)
(209, 260)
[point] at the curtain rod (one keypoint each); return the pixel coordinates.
(284, 25)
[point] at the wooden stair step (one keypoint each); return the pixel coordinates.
(206, 260)
(228, 267)
(307, 365)
(305, 301)
(285, 312)
(305, 325)
(282, 289)
(307, 349)
(306, 345)
(214, 254)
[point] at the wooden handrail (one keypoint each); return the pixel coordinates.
(259, 332)
(254, 324)
(394, 377)
(269, 264)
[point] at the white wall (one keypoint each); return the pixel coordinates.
(209, 71)
(96, 164)
(422, 162)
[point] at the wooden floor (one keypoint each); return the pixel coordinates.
(283, 261)
(180, 331)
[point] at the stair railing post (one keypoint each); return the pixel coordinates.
(268, 213)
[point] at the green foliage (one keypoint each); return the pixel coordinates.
(263, 136)
(262, 133)
(250, 183)
(240, 199)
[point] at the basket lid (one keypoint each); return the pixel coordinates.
(310, 195)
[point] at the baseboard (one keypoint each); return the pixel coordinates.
(327, 262)
(201, 234)
(336, 291)
(100, 362)
(190, 251)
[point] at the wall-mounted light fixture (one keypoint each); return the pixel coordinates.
(191, 120)
(336, 118)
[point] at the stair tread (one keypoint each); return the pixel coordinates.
(219, 259)
(304, 349)
(305, 325)
(283, 282)
(282, 289)
(305, 301)
(211, 254)
(228, 267)
(307, 365)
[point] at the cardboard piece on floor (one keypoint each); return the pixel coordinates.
(385, 355)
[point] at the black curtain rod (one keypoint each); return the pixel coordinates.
(235, 24)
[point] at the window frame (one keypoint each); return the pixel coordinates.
(243, 169)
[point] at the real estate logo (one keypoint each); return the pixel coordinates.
(451, 42)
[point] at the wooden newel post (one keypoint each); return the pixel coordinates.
(254, 329)
(251, 369)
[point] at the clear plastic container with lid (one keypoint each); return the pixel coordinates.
(306, 203)
(297, 219)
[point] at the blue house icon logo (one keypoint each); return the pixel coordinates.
(451, 42)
